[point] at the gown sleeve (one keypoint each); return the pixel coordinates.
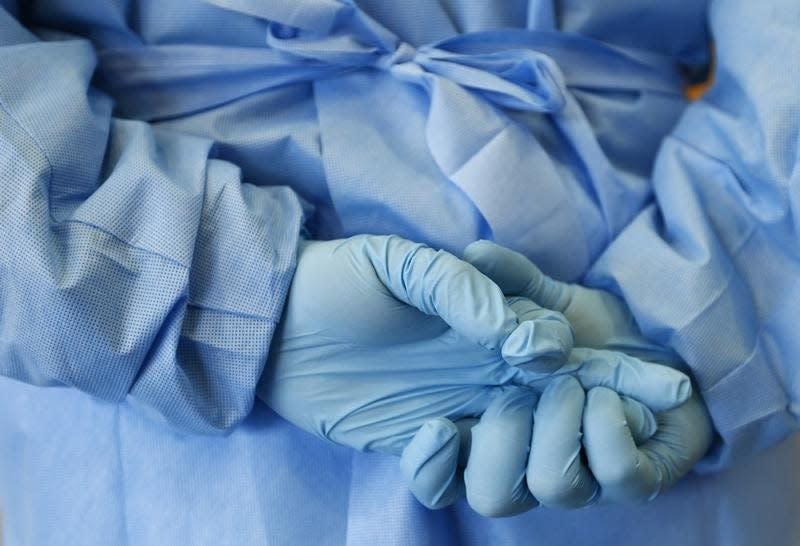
(713, 267)
(133, 264)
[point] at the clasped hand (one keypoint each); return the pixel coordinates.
(387, 345)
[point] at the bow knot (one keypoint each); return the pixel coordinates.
(521, 79)
(315, 39)
(405, 53)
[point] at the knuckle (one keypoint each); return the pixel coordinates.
(549, 492)
(435, 502)
(488, 505)
(553, 491)
(617, 474)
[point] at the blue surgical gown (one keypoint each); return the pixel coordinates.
(158, 158)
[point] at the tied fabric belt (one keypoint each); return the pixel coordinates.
(470, 81)
(315, 39)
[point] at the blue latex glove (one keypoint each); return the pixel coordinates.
(381, 334)
(620, 467)
(487, 459)
(624, 471)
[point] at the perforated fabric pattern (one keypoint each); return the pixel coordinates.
(131, 263)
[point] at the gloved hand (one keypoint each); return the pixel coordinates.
(623, 470)
(381, 335)
(487, 459)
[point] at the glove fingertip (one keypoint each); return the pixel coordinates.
(676, 391)
(538, 345)
(641, 420)
(684, 390)
(477, 250)
(429, 463)
(433, 437)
